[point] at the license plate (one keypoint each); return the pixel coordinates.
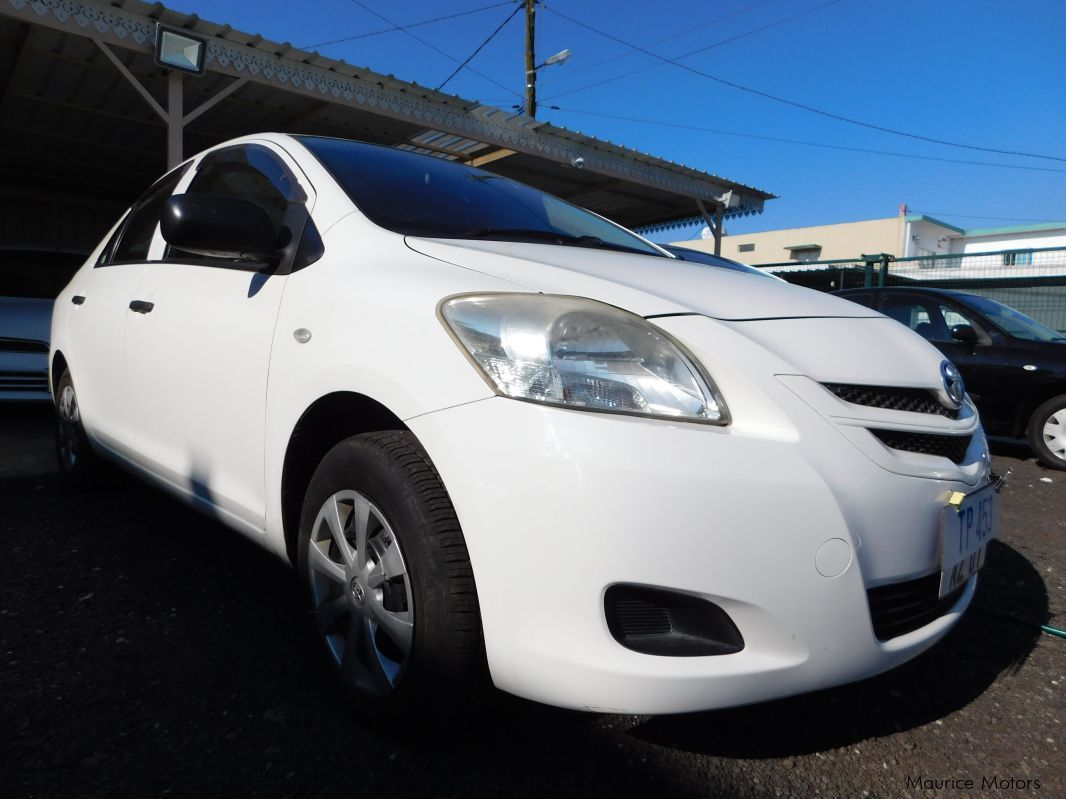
(965, 533)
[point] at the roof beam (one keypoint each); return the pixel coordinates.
(35, 98)
(589, 190)
(211, 102)
(380, 95)
(129, 76)
(77, 140)
(488, 158)
(18, 50)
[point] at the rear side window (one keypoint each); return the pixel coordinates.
(136, 235)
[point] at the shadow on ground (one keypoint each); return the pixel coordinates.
(146, 648)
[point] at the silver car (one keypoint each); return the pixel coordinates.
(29, 281)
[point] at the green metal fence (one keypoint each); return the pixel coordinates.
(1032, 281)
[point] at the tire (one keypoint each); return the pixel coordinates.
(1047, 432)
(79, 465)
(393, 596)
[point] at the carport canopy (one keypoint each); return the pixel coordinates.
(89, 118)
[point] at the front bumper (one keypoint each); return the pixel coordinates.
(558, 505)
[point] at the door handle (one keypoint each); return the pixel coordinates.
(77, 299)
(141, 306)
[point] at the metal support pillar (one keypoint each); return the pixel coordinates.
(882, 260)
(714, 223)
(175, 119)
(173, 115)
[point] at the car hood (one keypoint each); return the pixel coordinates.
(643, 284)
(26, 319)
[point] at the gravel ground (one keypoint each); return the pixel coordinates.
(145, 650)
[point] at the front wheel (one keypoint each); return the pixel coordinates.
(389, 577)
(1047, 432)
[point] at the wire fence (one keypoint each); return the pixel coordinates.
(1031, 281)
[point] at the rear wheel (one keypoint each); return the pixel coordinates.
(1047, 432)
(78, 464)
(389, 578)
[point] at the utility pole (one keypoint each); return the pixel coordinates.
(531, 60)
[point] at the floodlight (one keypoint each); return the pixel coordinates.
(177, 49)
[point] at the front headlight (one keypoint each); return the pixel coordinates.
(581, 354)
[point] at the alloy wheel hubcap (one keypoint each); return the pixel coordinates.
(361, 592)
(1055, 434)
(69, 418)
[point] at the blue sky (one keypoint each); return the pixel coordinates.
(969, 71)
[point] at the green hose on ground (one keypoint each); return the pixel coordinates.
(1046, 628)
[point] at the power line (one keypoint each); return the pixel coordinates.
(480, 47)
(395, 28)
(433, 47)
(670, 38)
(803, 106)
(673, 36)
(822, 145)
(665, 61)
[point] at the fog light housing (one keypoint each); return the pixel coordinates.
(657, 621)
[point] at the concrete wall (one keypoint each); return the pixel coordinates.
(1013, 241)
(846, 240)
(923, 237)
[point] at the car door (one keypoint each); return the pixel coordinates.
(996, 364)
(981, 363)
(198, 353)
(98, 319)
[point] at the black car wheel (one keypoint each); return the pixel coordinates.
(391, 587)
(1047, 432)
(78, 464)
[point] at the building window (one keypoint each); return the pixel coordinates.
(1017, 258)
(746, 247)
(804, 253)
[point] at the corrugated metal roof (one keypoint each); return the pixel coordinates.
(70, 119)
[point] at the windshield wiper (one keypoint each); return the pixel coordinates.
(517, 233)
(599, 244)
(549, 236)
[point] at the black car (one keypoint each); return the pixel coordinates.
(1014, 367)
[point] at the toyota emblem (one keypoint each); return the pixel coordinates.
(953, 385)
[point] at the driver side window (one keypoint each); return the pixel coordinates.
(131, 242)
(920, 316)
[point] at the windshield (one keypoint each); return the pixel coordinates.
(1016, 324)
(419, 195)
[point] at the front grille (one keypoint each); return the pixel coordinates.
(951, 447)
(914, 400)
(23, 381)
(22, 345)
(902, 608)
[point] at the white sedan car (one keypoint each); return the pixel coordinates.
(501, 437)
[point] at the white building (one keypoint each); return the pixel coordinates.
(902, 236)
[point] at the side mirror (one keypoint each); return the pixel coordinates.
(219, 226)
(964, 334)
